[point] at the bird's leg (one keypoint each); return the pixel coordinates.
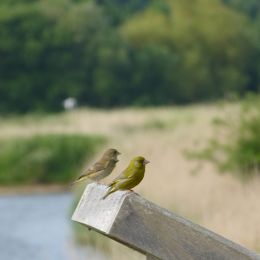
(134, 192)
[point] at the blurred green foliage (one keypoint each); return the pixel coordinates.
(251, 7)
(239, 150)
(110, 53)
(45, 158)
(243, 152)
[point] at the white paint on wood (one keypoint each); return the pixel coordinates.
(95, 212)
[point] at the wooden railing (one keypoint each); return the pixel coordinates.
(156, 232)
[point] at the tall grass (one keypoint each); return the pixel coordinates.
(220, 202)
(49, 158)
(235, 147)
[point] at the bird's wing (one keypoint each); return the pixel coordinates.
(96, 167)
(128, 173)
(124, 176)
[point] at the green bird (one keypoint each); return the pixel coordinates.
(130, 177)
(102, 168)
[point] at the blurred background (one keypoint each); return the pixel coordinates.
(176, 81)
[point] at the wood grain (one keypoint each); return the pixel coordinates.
(152, 230)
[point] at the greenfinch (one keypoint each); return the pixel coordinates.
(101, 168)
(130, 177)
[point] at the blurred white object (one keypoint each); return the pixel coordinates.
(69, 103)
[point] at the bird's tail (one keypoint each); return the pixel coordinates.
(80, 178)
(111, 190)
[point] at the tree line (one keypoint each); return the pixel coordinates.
(109, 53)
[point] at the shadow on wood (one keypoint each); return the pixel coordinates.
(158, 233)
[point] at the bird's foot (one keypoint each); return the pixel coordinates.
(132, 191)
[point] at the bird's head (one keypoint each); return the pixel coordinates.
(140, 161)
(112, 154)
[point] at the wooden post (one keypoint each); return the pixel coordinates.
(158, 233)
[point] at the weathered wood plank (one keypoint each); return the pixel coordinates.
(152, 230)
(151, 257)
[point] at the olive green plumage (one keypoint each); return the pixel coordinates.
(130, 177)
(102, 168)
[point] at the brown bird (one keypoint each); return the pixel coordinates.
(102, 168)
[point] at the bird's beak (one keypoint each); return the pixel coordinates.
(145, 162)
(118, 153)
